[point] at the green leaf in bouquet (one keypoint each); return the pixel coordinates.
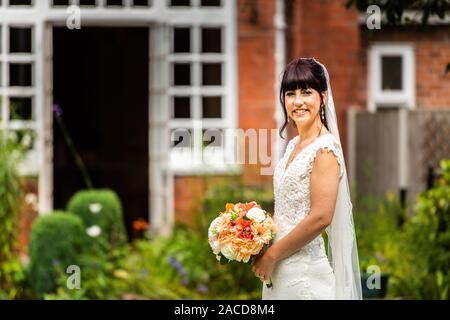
(223, 259)
(246, 218)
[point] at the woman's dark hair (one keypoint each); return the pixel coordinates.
(302, 73)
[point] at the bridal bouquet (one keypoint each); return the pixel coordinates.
(241, 232)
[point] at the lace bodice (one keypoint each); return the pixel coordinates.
(292, 186)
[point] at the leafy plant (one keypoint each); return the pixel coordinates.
(101, 213)
(426, 250)
(57, 241)
(11, 153)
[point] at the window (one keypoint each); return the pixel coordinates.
(88, 3)
(182, 40)
(20, 40)
(199, 95)
(391, 76)
(180, 3)
(17, 82)
(61, 3)
(210, 3)
(20, 2)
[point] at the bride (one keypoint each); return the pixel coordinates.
(311, 196)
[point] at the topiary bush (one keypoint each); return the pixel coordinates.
(57, 240)
(101, 213)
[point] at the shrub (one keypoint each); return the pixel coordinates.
(426, 252)
(378, 232)
(101, 213)
(102, 277)
(11, 153)
(57, 241)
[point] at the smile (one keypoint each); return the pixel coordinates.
(300, 112)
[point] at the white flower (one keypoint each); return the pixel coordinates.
(95, 207)
(212, 231)
(30, 198)
(93, 231)
(215, 246)
(257, 214)
(27, 141)
(228, 252)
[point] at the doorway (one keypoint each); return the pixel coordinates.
(100, 82)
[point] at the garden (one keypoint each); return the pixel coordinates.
(82, 251)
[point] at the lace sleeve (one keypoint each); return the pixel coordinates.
(327, 146)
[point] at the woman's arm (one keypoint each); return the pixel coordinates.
(324, 188)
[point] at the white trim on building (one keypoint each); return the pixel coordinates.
(378, 95)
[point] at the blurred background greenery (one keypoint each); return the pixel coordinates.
(412, 250)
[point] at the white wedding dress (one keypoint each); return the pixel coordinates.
(307, 274)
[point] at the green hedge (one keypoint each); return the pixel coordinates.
(10, 196)
(57, 241)
(100, 209)
(426, 245)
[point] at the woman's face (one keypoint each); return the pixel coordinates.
(302, 105)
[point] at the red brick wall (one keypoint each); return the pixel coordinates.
(329, 32)
(28, 212)
(432, 53)
(256, 74)
(189, 191)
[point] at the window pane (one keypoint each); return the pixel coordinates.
(176, 3)
(20, 109)
(181, 138)
(141, 3)
(210, 3)
(20, 2)
(87, 2)
(211, 107)
(20, 74)
(182, 107)
(1, 79)
(182, 40)
(391, 73)
(20, 39)
(212, 137)
(211, 40)
(212, 74)
(60, 2)
(114, 2)
(182, 74)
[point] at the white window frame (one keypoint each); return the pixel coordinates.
(29, 166)
(187, 161)
(378, 98)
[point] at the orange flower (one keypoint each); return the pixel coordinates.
(140, 225)
(229, 206)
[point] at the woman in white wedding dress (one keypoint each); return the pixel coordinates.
(311, 196)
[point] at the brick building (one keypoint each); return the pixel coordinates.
(139, 75)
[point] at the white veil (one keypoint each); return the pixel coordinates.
(342, 249)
